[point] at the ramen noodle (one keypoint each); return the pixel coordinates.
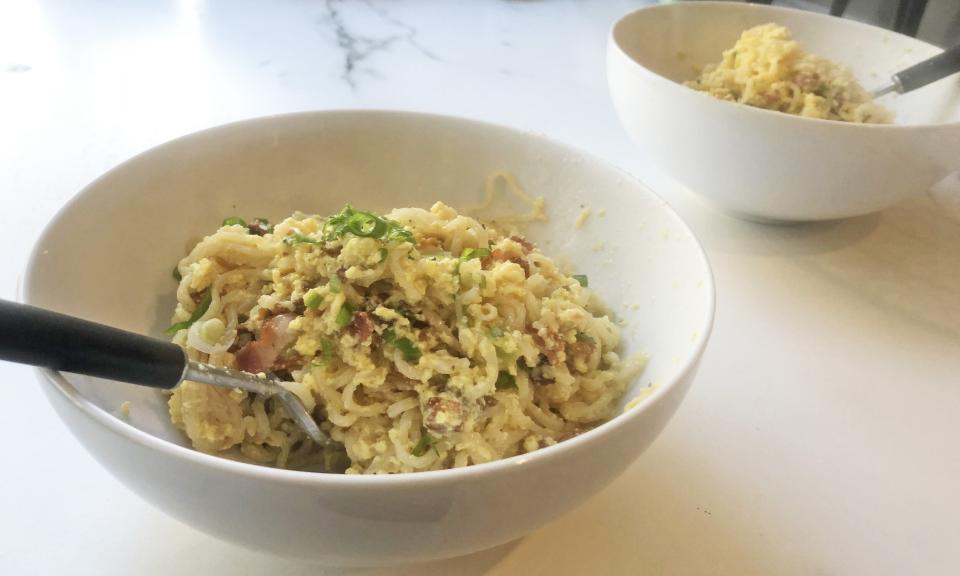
(767, 69)
(419, 340)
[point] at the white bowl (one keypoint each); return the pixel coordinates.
(108, 256)
(769, 165)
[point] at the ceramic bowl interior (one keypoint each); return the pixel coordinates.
(769, 165)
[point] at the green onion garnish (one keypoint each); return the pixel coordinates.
(334, 284)
(383, 254)
(176, 274)
(399, 233)
(345, 315)
(582, 279)
(505, 380)
(425, 443)
(496, 331)
(234, 221)
(326, 353)
(327, 345)
(199, 311)
(471, 253)
(411, 352)
(312, 300)
(365, 225)
(296, 238)
(582, 337)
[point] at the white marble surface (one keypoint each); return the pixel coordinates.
(820, 437)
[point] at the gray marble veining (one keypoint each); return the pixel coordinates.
(345, 20)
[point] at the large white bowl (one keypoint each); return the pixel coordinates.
(768, 165)
(108, 256)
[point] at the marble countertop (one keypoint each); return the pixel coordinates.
(819, 438)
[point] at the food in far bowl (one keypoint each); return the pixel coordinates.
(423, 340)
(766, 68)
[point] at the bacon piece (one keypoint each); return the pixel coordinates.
(259, 355)
(362, 326)
(276, 331)
(527, 245)
(256, 357)
(583, 349)
(259, 227)
(443, 415)
(550, 345)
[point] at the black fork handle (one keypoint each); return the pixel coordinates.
(31, 335)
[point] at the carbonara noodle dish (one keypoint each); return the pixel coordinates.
(766, 68)
(418, 340)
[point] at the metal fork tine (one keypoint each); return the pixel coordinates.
(227, 378)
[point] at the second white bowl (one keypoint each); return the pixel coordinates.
(768, 165)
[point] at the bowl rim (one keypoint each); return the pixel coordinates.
(614, 44)
(536, 458)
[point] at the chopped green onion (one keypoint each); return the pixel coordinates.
(483, 281)
(505, 380)
(398, 232)
(582, 279)
(176, 274)
(334, 284)
(312, 300)
(496, 331)
(234, 221)
(471, 253)
(297, 238)
(411, 352)
(581, 337)
(212, 330)
(424, 444)
(326, 346)
(345, 315)
(383, 254)
(326, 353)
(366, 225)
(199, 311)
